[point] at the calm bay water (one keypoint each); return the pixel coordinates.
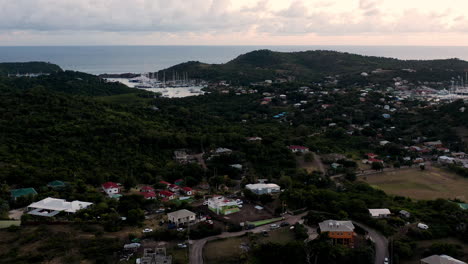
(138, 59)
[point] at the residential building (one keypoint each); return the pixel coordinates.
(56, 184)
(405, 213)
(379, 213)
(167, 195)
(182, 157)
(341, 232)
(112, 189)
(181, 217)
(148, 192)
(52, 206)
(263, 188)
(16, 193)
(165, 183)
(223, 151)
(156, 256)
(300, 149)
(187, 190)
(441, 259)
(222, 205)
(174, 188)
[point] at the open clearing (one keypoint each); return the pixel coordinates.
(423, 185)
(229, 250)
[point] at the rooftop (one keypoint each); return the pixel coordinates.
(378, 212)
(181, 214)
(334, 225)
(55, 204)
(442, 259)
(23, 192)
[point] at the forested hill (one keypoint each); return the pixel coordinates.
(70, 82)
(305, 66)
(28, 67)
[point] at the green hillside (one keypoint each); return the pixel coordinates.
(305, 66)
(28, 67)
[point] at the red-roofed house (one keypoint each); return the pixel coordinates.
(375, 160)
(146, 189)
(371, 155)
(300, 149)
(167, 195)
(174, 188)
(149, 195)
(111, 188)
(187, 190)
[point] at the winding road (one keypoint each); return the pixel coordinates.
(196, 246)
(380, 241)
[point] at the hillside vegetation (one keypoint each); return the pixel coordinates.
(305, 66)
(28, 67)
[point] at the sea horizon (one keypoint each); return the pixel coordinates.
(99, 59)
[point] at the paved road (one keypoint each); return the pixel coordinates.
(380, 241)
(196, 246)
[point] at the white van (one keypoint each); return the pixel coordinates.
(423, 226)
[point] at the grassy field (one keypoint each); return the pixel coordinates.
(8, 223)
(229, 251)
(424, 185)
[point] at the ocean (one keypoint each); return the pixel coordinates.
(140, 59)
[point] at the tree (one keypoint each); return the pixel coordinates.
(285, 182)
(377, 166)
(350, 176)
(135, 217)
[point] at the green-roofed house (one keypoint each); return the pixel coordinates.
(16, 193)
(56, 184)
(463, 206)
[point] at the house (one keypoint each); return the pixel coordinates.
(379, 213)
(23, 192)
(187, 190)
(371, 155)
(49, 207)
(441, 259)
(263, 188)
(236, 166)
(446, 160)
(174, 188)
(182, 157)
(405, 213)
(166, 195)
(341, 232)
(112, 189)
(222, 205)
(56, 185)
(434, 144)
(181, 217)
(156, 256)
(300, 149)
(149, 195)
(254, 139)
(146, 189)
(223, 151)
(165, 183)
(370, 161)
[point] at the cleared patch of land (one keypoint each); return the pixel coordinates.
(423, 185)
(232, 250)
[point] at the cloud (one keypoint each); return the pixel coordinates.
(320, 17)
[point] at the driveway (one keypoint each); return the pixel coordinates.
(196, 246)
(380, 241)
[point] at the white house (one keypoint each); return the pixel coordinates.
(222, 205)
(263, 188)
(438, 259)
(181, 217)
(52, 206)
(379, 213)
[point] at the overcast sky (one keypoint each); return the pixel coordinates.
(234, 22)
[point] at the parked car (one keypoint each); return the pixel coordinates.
(239, 201)
(180, 229)
(274, 226)
(205, 202)
(284, 224)
(147, 230)
(385, 261)
(250, 227)
(182, 245)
